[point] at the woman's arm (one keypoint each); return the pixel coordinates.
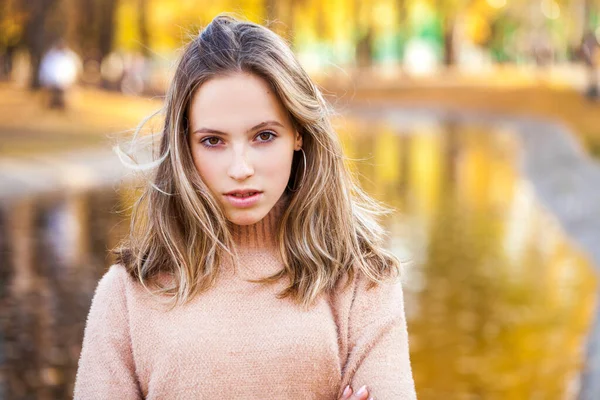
(106, 369)
(378, 352)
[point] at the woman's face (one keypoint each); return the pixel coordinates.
(242, 138)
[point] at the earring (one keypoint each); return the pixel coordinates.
(303, 172)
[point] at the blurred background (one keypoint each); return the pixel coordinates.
(477, 120)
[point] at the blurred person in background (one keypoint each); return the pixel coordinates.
(59, 69)
(589, 52)
(6, 61)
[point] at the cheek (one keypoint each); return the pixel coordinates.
(207, 169)
(277, 166)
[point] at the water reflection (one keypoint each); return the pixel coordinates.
(498, 303)
(56, 250)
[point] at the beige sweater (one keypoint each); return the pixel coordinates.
(238, 341)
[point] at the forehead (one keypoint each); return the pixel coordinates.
(235, 101)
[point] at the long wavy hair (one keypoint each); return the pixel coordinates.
(329, 227)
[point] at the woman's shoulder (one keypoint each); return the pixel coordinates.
(359, 290)
(119, 283)
(116, 271)
(109, 302)
(112, 285)
(359, 302)
(116, 277)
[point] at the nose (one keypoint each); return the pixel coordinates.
(240, 169)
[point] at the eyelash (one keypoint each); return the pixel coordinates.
(204, 142)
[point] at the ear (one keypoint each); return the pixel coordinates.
(298, 144)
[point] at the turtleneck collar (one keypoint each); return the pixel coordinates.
(262, 234)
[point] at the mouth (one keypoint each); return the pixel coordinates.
(243, 198)
(242, 195)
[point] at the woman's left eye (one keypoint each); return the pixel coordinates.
(266, 136)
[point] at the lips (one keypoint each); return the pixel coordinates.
(243, 193)
(244, 198)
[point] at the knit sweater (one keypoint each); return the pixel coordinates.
(239, 341)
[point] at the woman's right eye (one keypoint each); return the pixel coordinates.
(211, 141)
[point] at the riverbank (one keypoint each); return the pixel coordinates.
(94, 118)
(540, 96)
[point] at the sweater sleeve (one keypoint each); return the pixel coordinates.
(106, 368)
(378, 352)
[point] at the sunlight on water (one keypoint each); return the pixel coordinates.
(498, 303)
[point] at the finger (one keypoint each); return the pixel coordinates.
(347, 393)
(362, 393)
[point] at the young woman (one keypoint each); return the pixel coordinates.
(255, 266)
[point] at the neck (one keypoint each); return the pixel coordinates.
(262, 234)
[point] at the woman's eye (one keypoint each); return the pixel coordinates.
(211, 141)
(266, 136)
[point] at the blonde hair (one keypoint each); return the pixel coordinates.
(329, 227)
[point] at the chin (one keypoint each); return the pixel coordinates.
(246, 217)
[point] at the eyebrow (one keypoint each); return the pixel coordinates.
(254, 128)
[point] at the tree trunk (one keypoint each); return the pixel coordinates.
(449, 50)
(85, 30)
(106, 29)
(403, 31)
(143, 27)
(36, 39)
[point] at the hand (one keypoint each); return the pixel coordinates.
(361, 394)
